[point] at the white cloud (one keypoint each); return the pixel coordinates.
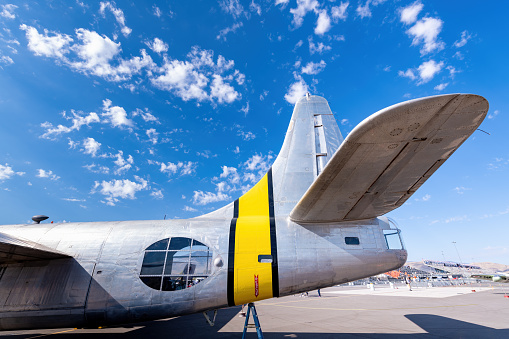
(77, 119)
(222, 91)
(224, 32)
(73, 199)
(322, 23)
(157, 12)
(55, 45)
(364, 11)
(464, 39)
(303, 7)
(189, 79)
(461, 190)
(282, 2)
(204, 198)
(339, 12)
(409, 14)
(494, 114)
(115, 189)
(424, 198)
(8, 11)
(47, 174)
(259, 163)
(157, 194)
(145, 115)
(123, 165)
(232, 7)
(254, 7)
(6, 172)
(344, 122)
(119, 16)
(314, 68)
(425, 32)
(189, 209)
(152, 135)
(428, 70)
(236, 150)
(409, 73)
(97, 169)
(91, 146)
(6, 60)
(318, 47)
(441, 87)
(115, 115)
(158, 45)
(184, 168)
(296, 91)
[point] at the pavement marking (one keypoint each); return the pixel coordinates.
(45, 335)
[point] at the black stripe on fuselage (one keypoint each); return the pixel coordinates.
(231, 255)
(273, 238)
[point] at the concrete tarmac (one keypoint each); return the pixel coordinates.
(341, 312)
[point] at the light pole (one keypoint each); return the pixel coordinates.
(454, 242)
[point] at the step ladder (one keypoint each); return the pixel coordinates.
(251, 307)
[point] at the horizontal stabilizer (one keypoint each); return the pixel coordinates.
(14, 250)
(388, 156)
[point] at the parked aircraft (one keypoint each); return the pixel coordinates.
(313, 221)
(498, 277)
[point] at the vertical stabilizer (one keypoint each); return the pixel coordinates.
(312, 138)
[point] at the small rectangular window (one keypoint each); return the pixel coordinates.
(264, 258)
(352, 241)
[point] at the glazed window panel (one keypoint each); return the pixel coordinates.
(175, 264)
(179, 243)
(153, 263)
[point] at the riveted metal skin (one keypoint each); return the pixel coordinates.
(87, 274)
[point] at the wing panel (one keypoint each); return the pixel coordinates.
(14, 250)
(388, 156)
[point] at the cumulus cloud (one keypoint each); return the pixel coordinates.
(118, 14)
(97, 169)
(303, 7)
(152, 135)
(182, 168)
(363, 10)
(232, 29)
(428, 70)
(296, 91)
(204, 198)
(6, 60)
(115, 115)
(409, 14)
(441, 87)
(46, 174)
(197, 78)
(123, 165)
(425, 72)
(8, 11)
(339, 12)
(319, 47)
(47, 44)
(91, 146)
(78, 119)
(119, 189)
(6, 172)
(425, 32)
(314, 68)
(145, 115)
(157, 45)
(156, 11)
(157, 194)
(190, 79)
(323, 23)
(91, 54)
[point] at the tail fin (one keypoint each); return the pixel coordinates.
(312, 138)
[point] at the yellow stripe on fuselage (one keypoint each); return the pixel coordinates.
(252, 238)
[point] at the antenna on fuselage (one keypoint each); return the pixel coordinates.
(38, 218)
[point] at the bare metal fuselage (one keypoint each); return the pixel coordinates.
(100, 284)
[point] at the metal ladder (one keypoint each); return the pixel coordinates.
(256, 324)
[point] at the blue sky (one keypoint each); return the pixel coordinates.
(137, 110)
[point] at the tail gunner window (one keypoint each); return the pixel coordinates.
(175, 264)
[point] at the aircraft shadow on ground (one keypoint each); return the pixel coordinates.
(194, 326)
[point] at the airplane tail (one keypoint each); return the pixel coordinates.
(311, 140)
